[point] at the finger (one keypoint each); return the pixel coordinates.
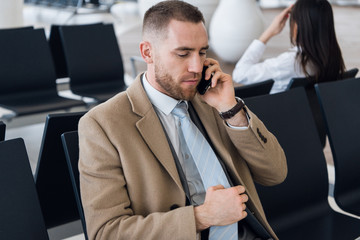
(240, 189)
(210, 61)
(243, 206)
(244, 198)
(244, 214)
(215, 78)
(217, 187)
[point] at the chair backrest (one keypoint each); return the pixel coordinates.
(70, 141)
(2, 130)
(298, 82)
(254, 89)
(340, 105)
(308, 85)
(288, 116)
(92, 54)
(18, 28)
(20, 216)
(57, 52)
(351, 73)
(26, 63)
(57, 3)
(52, 177)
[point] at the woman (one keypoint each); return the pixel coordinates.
(316, 52)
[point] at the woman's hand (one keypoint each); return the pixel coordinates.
(276, 26)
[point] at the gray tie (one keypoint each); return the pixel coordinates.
(208, 165)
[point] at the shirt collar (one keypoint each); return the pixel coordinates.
(160, 100)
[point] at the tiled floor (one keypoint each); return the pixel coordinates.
(128, 29)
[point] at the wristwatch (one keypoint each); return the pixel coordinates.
(233, 111)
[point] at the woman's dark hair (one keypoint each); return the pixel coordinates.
(316, 40)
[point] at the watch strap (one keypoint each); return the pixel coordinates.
(233, 111)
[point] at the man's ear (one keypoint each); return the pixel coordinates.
(146, 51)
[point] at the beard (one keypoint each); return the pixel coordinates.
(170, 87)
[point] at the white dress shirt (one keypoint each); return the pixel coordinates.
(281, 69)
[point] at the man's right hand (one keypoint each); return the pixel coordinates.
(221, 207)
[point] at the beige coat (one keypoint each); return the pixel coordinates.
(128, 178)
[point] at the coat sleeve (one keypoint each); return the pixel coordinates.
(261, 151)
(105, 197)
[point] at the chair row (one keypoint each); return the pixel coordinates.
(264, 87)
(308, 84)
(62, 3)
(296, 209)
(299, 208)
(50, 201)
(30, 65)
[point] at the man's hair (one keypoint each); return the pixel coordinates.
(158, 17)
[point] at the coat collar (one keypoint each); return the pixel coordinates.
(150, 128)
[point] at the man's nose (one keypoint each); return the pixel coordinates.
(196, 65)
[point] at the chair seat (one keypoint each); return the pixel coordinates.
(323, 221)
(334, 225)
(37, 102)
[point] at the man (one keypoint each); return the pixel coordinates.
(136, 183)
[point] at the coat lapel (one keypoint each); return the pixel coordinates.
(211, 125)
(150, 128)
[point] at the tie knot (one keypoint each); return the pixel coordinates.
(180, 110)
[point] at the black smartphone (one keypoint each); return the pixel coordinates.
(203, 85)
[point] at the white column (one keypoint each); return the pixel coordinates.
(11, 13)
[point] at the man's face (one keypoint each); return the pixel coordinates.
(178, 59)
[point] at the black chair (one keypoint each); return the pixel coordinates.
(27, 75)
(52, 177)
(57, 52)
(70, 141)
(308, 85)
(298, 208)
(2, 130)
(350, 73)
(254, 89)
(21, 216)
(93, 60)
(56, 3)
(340, 105)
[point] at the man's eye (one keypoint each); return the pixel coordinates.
(183, 55)
(202, 53)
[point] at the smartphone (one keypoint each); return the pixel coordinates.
(204, 85)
